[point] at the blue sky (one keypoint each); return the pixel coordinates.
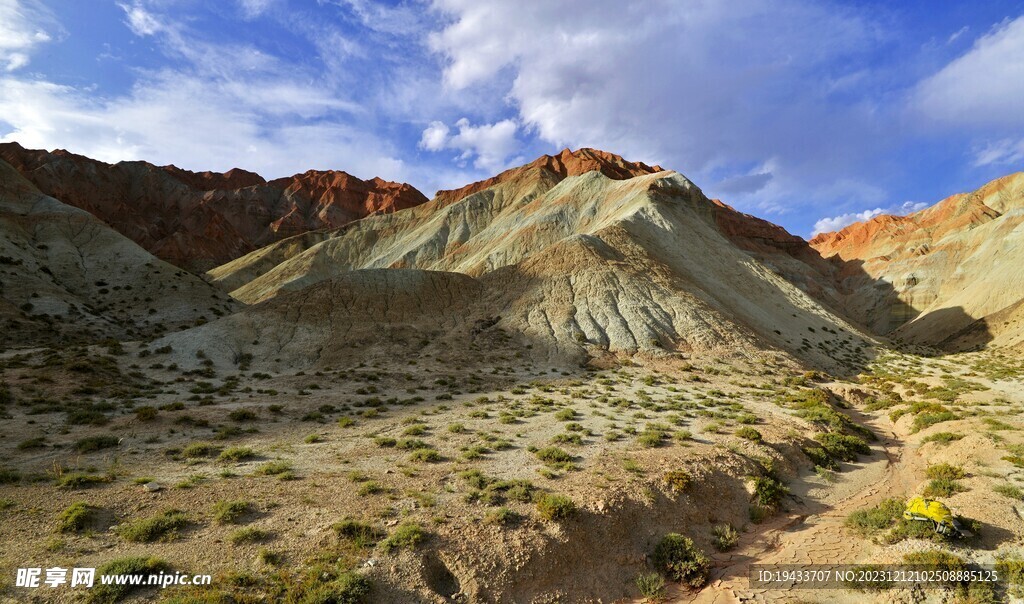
(809, 113)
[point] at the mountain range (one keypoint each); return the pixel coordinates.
(579, 255)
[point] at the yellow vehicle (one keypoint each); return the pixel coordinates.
(936, 512)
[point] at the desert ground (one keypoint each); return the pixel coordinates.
(441, 482)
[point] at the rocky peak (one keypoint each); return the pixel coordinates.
(563, 165)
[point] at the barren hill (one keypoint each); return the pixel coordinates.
(949, 266)
(584, 264)
(200, 220)
(66, 276)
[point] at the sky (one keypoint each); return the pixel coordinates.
(809, 113)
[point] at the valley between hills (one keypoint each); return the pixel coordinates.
(580, 380)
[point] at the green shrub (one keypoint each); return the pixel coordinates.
(651, 586)
(236, 454)
(9, 475)
(78, 480)
(937, 560)
(925, 420)
(820, 458)
(76, 517)
(678, 558)
(249, 534)
(652, 438)
(199, 449)
(678, 480)
(406, 536)
(768, 492)
(913, 529)
(880, 517)
(942, 438)
(137, 566)
(345, 588)
(1011, 570)
(369, 488)
(502, 517)
(162, 527)
(358, 533)
(945, 471)
(95, 443)
(274, 468)
(943, 487)
(242, 415)
(231, 512)
(725, 537)
(565, 415)
(1009, 490)
(555, 507)
(145, 414)
(749, 433)
(553, 455)
(425, 456)
(843, 446)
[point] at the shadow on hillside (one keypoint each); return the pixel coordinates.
(874, 306)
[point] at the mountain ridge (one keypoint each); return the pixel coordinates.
(201, 219)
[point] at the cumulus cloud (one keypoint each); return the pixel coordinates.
(22, 29)
(701, 87)
(984, 86)
(210, 112)
(836, 223)
(489, 145)
(435, 136)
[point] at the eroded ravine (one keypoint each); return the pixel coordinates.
(812, 531)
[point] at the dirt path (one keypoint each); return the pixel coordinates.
(813, 531)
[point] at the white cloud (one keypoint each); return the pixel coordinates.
(835, 223)
(708, 88)
(227, 105)
(139, 20)
(490, 144)
(956, 35)
(22, 28)
(254, 8)
(184, 120)
(435, 136)
(1001, 152)
(982, 87)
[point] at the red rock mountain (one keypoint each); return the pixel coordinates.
(567, 163)
(198, 220)
(957, 265)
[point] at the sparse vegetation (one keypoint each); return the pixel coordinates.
(555, 507)
(877, 518)
(406, 536)
(358, 533)
(725, 537)
(162, 527)
(679, 559)
(138, 566)
(76, 517)
(249, 534)
(95, 443)
(237, 454)
(231, 512)
(651, 586)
